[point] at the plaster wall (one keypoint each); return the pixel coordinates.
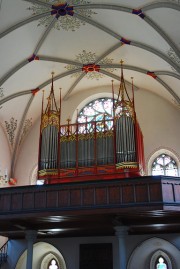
(5, 153)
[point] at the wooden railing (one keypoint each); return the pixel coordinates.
(144, 192)
(3, 253)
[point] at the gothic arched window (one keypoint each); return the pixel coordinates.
(97, 110)
(53, 264)
(161, 263)
(164, 165)
(100, 110)
(160, 260)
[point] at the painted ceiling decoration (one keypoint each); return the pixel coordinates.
(11, 127)
(63, 12)
(83, 42)
(1, 95)
(26, 128)
(173, 57)
(89, 66)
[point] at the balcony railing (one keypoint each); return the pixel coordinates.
(145, 192)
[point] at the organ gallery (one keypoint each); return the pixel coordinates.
(89, 150)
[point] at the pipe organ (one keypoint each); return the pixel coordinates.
(107, 149)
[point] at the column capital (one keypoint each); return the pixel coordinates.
(121, 230)
(31, 235)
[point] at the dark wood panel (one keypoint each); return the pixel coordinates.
(40, 199)
(16, 201)
(128, 194)
(5, 202)
(96, 256)
(28, 200)
(155, 191)
(88, 196)
(64, 198)
(75, 197)
(52, 198)
(101, 196)
(114, 195)
(142, 194)
(168, 193)
(177, 192)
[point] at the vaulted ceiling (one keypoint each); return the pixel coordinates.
(82, 42)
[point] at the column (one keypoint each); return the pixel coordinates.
(31, 236)
(121, 232)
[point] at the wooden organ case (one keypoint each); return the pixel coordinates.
(92, 150)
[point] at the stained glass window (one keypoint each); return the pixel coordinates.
(161, 264)
(164, 165)
(97, 110)
(100, 110)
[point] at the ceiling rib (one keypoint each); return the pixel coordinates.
(103, 6)
(15, 95)
(128, 10)
(97, 61)
(106, 53)
(21, 23)
(157, 53)
(134, 68)
(100, 6)
(133, 43)
(48, 29)
(12, 71)
(39, 3)
(164, 4)
(169, 89)
(59, 60)
(73, 86)
(162, 34)
(70, 72)
(141, 70)
(96, 25)
(111, 75)
(158, 79)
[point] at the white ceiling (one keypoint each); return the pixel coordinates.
(34, 42)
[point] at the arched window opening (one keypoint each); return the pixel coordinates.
(164, 165)
(53, 264)
(101, 110)
(161, 263)
(160, 260)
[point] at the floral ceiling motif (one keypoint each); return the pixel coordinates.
(88, 60)
(27, 126)
(11, 128)
(63, 12)
(173, 57)
(1, 95)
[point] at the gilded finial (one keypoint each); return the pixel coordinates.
(121, 62)
(68, 120)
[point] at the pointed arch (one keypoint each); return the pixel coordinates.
(160, 254)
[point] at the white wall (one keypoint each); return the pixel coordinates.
(5, 154)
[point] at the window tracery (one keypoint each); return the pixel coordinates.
(164, 165)
(102, 111)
